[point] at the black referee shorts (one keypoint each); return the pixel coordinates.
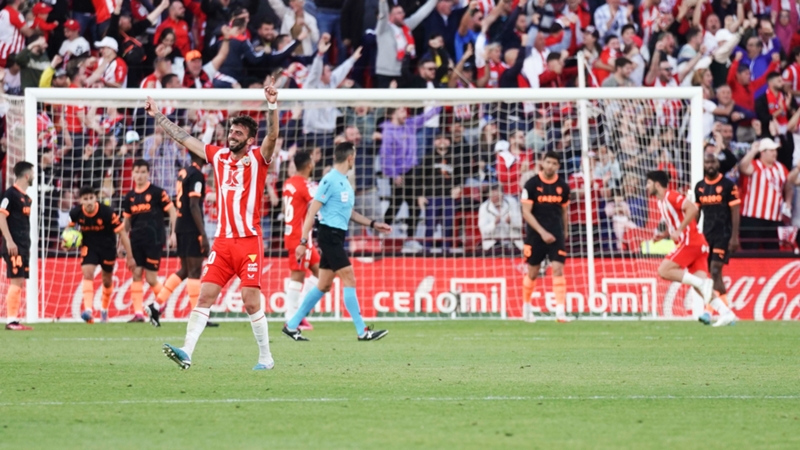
(535, 250)
(331, 248)
(189, 246)
(718, 247)
(17, 266)
(104, 257)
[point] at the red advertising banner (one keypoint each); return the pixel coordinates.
(759, 289)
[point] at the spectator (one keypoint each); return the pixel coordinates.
(124, 30)
(791, 75)
(490, 67)
(742, 88)
(555, 75)
(768, 192)
(439, 177)
(623, 68)
(440, 57)
(468, 29)
(13, 31)
(577, 208)
(515, 163)
(329, 21)
(366, 121)
(32, 61)
(52, 76)
(773, 106)
(758, 62)
(298, 23)
(610, 18)
(399, 157)
(721, 147)
(179, 26)
(786, 23)
(607, 169)
(40, 24)
(111, 69)
(319, 124)
(619, 213)
(500, 222)
(265, 36)
(74, 44)
(395, 39)
(445, 22)
(165, 158)
(163, 67)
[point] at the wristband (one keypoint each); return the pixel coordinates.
(372, 224)
(272, 106)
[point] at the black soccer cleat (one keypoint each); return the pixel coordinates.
(294, 335)
(155, 315)
(210, 324)
(370, 335)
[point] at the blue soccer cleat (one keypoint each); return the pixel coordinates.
(179, 356)
(87, 316)
(267, 366)
(705, 318)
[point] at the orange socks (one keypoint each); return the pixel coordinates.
(12, 303)
(169, 286)
(106, 298)
(88, 294)
(193, 288)
(528, 286)
(137, 296)
(560, 291)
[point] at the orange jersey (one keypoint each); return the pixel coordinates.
(297, 195)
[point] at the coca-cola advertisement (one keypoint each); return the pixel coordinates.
(758, 289)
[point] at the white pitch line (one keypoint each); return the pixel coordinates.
(402, 399)
(154, 338)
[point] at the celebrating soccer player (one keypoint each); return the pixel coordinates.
(15, 225)
(296, 198)
(143, 209)
(99, 225)
(545, 199)
(334, 201)
(240, 171)
(192, 238)
(718, 200)
(687, 263)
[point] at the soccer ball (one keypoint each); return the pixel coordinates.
(71, 238)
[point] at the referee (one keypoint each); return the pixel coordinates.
(334, 201)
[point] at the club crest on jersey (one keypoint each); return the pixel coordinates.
(246, 160)
(719, 189)
(99, 221)
(148, 197)
(559, 190)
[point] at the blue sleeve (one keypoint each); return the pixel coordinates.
(324, 191)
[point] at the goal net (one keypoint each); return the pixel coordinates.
(444, 167)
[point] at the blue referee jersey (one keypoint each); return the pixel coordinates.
(337, 198)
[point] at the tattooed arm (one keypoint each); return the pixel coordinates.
(268, 147)
(177, 133)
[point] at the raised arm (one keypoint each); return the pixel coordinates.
(268, 146)
(421, 14)
(746, 164)
(176, 132)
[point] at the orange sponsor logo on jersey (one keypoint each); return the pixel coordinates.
(710, 199)
(549, 199)
(137, 209)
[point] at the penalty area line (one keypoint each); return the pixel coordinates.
(402, 399)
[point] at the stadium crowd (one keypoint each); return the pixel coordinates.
(455, 171)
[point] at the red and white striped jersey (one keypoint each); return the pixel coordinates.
(117, 72)
(791, 76)
(495, 69)
(11, 40)
(668, 112)
(240, 190)
(763, 194)
(671, 209)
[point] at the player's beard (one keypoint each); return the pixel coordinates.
(711, 174)
(237, 147)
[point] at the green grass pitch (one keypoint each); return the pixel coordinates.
(464, 384)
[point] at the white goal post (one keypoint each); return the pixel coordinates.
(581, 96)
